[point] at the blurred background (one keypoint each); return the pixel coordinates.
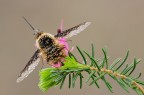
(116, 24)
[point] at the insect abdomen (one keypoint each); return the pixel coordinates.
(51, 49)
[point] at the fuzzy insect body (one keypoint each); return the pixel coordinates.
(50, 47)
(52, 50)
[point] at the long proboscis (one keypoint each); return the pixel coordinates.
(29, 23)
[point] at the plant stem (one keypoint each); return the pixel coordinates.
(116, 74)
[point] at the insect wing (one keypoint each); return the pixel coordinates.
(30, 66)
(73, 31)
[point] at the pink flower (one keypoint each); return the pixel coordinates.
(64, 42)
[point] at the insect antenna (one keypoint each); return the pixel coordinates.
(36, 30)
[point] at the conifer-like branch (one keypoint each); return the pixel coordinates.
(97, 69)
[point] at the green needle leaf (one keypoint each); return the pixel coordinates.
(136, 61)
(69, 80)
(134, 66)
(80, 75)
(94, 61)
(92, 64)
(61, 85)
(123, 61)
(105, 57)
(97, 78)
(91, 74)
(93, 79)
(115, 63)
(74, 79)
(137, 77)
(85, 62)
(93, 51)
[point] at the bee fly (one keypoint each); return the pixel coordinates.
(49, 48)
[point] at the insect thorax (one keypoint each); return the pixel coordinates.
(45, 40)
(50, 47)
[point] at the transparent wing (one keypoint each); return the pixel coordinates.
(30, 66)
(73, 31)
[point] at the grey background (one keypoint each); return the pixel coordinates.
(116, 24)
